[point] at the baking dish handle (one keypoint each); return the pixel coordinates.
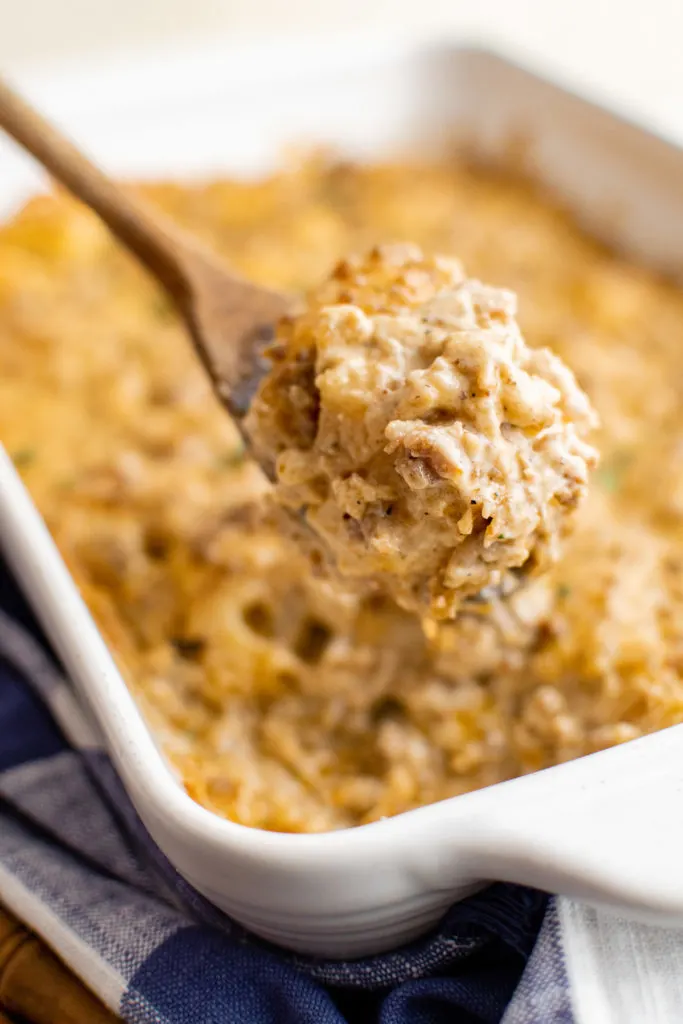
(606, 829)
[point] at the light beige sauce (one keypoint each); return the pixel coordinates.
(434, 453)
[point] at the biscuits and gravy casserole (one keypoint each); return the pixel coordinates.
(284, 699)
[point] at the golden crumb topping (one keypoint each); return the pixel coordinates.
(281, 701)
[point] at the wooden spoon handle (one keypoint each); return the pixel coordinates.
(158, 245)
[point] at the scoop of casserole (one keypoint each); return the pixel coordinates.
(432, 450)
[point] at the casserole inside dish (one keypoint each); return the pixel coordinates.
(284, 703)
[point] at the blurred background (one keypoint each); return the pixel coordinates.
(628, 50)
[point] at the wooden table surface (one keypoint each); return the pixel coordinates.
(36, 987)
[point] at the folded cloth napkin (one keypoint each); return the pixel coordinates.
(77, 866)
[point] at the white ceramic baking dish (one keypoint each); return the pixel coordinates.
(607, 828)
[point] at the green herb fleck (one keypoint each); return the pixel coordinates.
(610, 475)
(609, 479)
(231, 459)
(501, 536)
(563, 591)
(163, 309)
(24, 457)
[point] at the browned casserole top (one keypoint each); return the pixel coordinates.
(285, 702)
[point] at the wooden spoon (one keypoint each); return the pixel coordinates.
(228, 319)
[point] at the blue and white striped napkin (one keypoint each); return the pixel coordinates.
(78, 867)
